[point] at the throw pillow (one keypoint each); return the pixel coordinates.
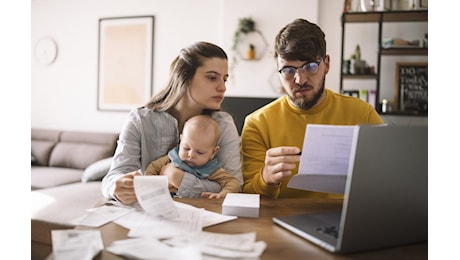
(97, 170)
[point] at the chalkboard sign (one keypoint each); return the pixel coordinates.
(411, 88)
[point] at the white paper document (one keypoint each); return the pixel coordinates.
(76, 244)
(210, 218)
(326, 149)
(239, 246)
(99, 216)
(325, 160)
(153, 195)
(140, 223)
(151, 248)
(189, 220)
(155, 216)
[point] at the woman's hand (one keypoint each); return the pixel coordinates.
(124, 188)
(175, 175)
(279, 162)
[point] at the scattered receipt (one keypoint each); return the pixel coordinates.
(99, 216)
(151, 248)
(241, 246)
(153, 195)
(76, 244)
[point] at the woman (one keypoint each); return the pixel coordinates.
(196, 86)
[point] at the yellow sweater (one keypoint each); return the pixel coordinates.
(282, 124)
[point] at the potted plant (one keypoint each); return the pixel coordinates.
(245, 25)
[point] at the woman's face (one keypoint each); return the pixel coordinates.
(207, 87)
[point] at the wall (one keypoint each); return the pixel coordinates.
(260, 78)
(64, 94)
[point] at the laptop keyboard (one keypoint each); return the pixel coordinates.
(329, 230)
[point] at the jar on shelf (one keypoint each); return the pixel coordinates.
(251, 52)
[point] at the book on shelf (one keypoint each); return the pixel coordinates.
(351, 93)
(364, 94)
(371, 97)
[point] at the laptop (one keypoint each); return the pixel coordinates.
(385, 199)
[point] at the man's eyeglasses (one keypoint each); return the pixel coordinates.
(289, 72)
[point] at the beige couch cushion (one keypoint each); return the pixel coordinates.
(68, 154)
(43, 141)
(46, 177)
(80, 149)
(97, 170)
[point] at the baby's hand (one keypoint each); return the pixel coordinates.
(211, 195)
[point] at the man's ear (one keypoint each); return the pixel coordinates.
(327, 61)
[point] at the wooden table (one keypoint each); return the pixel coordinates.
(281, 243)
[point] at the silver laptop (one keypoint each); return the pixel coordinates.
(386, 195)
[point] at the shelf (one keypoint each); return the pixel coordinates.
(404, 51)
(380, 18)
(393, 16)
(406, 16)
(255, 38)
(359, 76)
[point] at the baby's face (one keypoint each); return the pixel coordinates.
(196, 149)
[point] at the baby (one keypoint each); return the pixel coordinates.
(195, 155)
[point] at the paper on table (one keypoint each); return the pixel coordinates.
(240, 242)
(255, 253)
(76, 244)
(99, 216)
(213, 218)
(151, 248)
(222, 245)
(132, 219)
(210, 218)
(153, 195)
(325, 159)
(189, 220)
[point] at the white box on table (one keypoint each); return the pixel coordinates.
(241, 204)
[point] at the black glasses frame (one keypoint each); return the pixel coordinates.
(299, 67)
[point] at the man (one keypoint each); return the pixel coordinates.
(272, 136)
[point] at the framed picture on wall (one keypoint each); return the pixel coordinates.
(411, 87)
(125, 62)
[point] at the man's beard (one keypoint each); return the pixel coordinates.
(307, 104)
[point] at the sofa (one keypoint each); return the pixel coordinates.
(66, 172)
